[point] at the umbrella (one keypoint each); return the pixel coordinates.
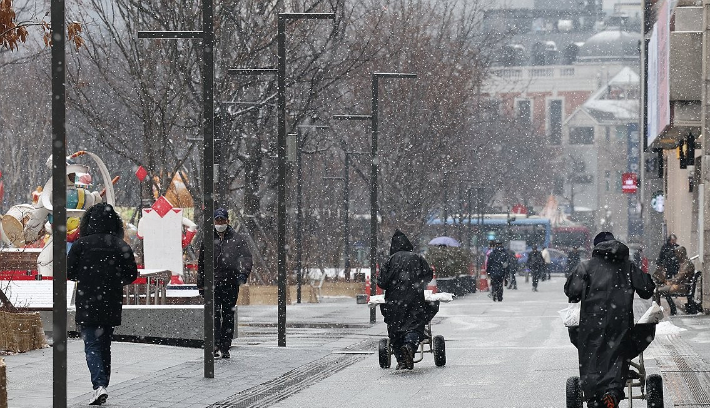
(444, 241)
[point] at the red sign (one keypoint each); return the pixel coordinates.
(629, 183)
(141, 173)
(519, 209)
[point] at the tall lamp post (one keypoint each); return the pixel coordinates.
(299, 198)
(281, 171)
(373, 172)
(207, 38)
(59, 188)
(346, 206)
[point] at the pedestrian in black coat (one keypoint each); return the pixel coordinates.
(667, 258)
(606, 285)
(512, 270)
(536, 265)
(101, 263)
(404, 277)
(497, 270)
(232, 266)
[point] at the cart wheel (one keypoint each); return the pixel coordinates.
(384, 351)
(654, 391)
(574, 393)
(439, 349)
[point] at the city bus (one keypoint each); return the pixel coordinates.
(565, 237)
(525, 230)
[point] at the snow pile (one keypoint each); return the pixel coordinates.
(667, 327)
(428, 296)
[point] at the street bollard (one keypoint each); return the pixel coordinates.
(3, 385)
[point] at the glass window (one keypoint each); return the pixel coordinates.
(581, 135)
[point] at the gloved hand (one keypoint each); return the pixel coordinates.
(202, 291)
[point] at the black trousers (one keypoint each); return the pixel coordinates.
(535, 277)
(497, 287)
(225, 301)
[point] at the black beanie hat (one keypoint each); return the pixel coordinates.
(603, 236)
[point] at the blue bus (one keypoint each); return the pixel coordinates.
(531, 229)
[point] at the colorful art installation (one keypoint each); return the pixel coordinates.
(30, 225)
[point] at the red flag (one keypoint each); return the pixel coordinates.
(2, 190)
(141, 173)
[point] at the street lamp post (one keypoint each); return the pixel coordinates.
(346, 206)
(59, 188)
(299, 212)
(373, 172)
(207, 38)
(281, 165)
(373, 176)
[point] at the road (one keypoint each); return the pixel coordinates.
(510, 354)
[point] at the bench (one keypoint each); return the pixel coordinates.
(691, 306)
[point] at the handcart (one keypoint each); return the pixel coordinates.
(649, 386)
(435, 345)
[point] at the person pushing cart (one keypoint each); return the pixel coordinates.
(605, 286)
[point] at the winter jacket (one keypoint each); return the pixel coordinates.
(535, 262)
(404, 277)
(232, 260)
(668, 260)
(101, 263)
(605, 285)
(497, 263)
(681, 282)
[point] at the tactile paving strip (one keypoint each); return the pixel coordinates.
(685, 376)
(294, 381)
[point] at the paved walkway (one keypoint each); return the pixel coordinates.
(331, 359)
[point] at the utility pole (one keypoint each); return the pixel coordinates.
(703, 192)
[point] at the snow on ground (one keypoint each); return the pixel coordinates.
(666, 327)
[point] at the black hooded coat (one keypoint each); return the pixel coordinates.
(606, 285)
(101, 263)
(404, 278)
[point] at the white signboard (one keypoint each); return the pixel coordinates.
(518, 246)
(162, 240)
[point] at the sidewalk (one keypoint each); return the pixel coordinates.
(682, 354)
(321, 339)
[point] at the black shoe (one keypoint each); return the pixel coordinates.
(225, 354)
(407, 352)
(215, 352)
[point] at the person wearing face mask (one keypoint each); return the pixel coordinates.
(232, 266)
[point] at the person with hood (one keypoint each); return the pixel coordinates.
(680, 283)
(232, 266)
(605, 286)
(404, 277)
(667, 259)
(101, 263)
(497, 269)
(536, 265)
